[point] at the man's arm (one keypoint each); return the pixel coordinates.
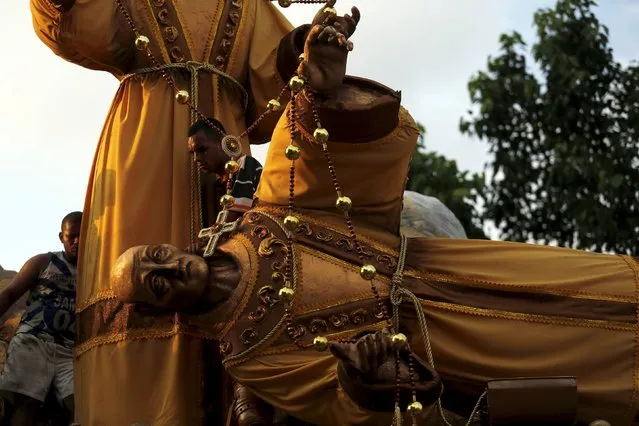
(26, 279)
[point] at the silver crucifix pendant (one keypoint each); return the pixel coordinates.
(215, 232)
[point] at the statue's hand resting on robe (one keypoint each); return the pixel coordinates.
(373, 356)
(326, 49)
(367, 373)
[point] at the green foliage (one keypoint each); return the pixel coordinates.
(435, 175)
(566, 152)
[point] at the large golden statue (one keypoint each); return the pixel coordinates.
(222, 58)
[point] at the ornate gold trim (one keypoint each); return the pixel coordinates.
(185, 30)
(239, 38)
(291, 347)
(138, 334)
(281, 211)
(251, 282)
(208, 48)
(156, 30)
(458, 279)
(533, 318)
(99, 297)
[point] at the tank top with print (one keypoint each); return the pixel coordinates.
(50, 311)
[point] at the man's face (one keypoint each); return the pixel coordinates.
(208, 153)
(172, 277)
(70, 239)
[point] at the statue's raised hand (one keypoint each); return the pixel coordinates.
(326, 48)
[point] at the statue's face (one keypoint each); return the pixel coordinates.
(172, 277)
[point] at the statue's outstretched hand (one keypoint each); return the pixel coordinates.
(326, 48)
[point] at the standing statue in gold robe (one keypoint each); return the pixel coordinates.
(230, 57)
(503, 320)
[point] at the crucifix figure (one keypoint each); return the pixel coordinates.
(216, 231)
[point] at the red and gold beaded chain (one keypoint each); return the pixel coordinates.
(367, 271)
(232, 147)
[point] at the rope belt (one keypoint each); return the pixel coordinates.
(194, 68)
(397, 296)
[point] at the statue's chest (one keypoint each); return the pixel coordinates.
(199, 17)
(190, 30)
(329, 297)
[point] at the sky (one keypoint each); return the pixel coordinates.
(53, 111)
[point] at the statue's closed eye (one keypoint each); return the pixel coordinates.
(159, 285)
(159, 254)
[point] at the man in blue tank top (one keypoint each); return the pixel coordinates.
(40, 355)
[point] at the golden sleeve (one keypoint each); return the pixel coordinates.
(89, 33)
(304, 384)
(274, 50)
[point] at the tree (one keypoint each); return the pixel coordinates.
(566, 152)
(435, 175)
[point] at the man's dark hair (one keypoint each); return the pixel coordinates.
(203, 126)
(73, 217)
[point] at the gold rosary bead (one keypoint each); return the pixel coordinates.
(320, 343)
(343, 204)
(231, 166)
(368, 272)
(330, 11)
(286, 294)
(274, 105)
(415, 408)
(301, 57)
(227, 200)
(142, 42)
(285, 3)
(291, 222)
(321, 135)
(182, 97)
(296, 83)
(399, 340)
(292, 152)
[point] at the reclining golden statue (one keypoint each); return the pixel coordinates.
(493, 310)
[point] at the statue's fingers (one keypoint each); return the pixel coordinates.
(342, 41)
(372, 351)
(342, 351)
(326, 34)
(330, 3)
(356, 14)
(337, 40)
(385, 345)
(313, 34)
(351, 22)
(302, 70)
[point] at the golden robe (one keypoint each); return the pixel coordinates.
(138, 192)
